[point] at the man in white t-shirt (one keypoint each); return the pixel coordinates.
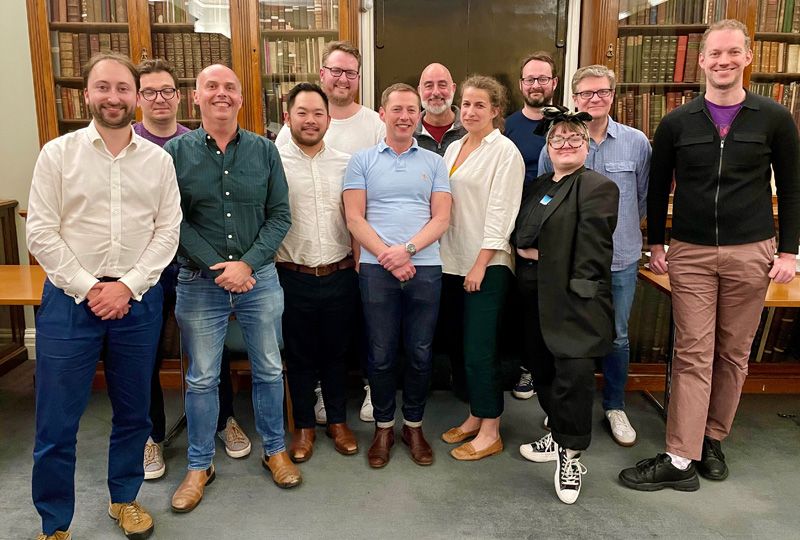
(353, 126)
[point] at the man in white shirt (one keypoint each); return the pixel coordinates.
(317, 272)
(104, 218)
(352, 126)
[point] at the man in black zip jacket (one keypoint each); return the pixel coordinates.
(722, 148)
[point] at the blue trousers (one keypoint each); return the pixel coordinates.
(202, 310)
(615, 364)
(69, 341)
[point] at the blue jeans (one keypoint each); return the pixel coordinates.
(69, 342)
(389, 308)
(615, 364)
(202, 312)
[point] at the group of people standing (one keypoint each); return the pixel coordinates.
(395, 214)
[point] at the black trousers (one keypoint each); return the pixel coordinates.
(158, 417)
(564, 386)
(319, 317)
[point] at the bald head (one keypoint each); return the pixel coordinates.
(436, 88)
(217, 71)
(218, 93)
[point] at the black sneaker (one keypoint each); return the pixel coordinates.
(712, 465)
(567, 479)
(656, 473)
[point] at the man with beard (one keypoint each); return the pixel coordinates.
(352, 126)
(537, 84)
(317, 272)
(621, 153)
(104, 218)
(235, 215)
(723, 149)
(440, 123)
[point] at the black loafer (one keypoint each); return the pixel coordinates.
(712, 465)
(657, 473)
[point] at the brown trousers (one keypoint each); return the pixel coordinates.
(717, 298)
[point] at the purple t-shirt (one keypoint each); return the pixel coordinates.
(139, 128)
(723, 116)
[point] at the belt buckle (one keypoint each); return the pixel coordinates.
(317, 270)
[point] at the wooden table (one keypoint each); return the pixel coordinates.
(21, 285)
(778, 295)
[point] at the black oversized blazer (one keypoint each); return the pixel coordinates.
(575, 252)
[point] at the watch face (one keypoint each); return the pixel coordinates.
(411, 248)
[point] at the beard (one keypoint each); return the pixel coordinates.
(125, 119)
(306, 138)
(537, 100)
(438, 109)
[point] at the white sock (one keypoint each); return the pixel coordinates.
(412, 424)
(385, 424)
(573, 453)
(679, 462)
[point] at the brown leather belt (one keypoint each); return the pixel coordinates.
(319, 271)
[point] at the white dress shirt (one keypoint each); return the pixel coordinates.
(318, 235)
(362, 130)
(487, 190)
(92, 214)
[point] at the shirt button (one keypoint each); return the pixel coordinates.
(226, 172)
(218, 152)
(230, 256)
(227, 193)
(228, 214)
(230, 236)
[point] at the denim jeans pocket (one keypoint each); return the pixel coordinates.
(266, 273)
(187, 275)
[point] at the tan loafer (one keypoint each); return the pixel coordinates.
(58, 535)
(343, 438)
(190, 492)
(284, 472)
(454, 435)
(467, 452)
(302, 445)
(136, 522)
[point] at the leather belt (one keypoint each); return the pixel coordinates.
(319, 271)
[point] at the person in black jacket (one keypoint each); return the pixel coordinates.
(722, 148)
(564, 247)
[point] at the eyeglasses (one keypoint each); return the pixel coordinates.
(337, 72)
(589, 94)
(574, 141)
(166, 93)
(541, 79)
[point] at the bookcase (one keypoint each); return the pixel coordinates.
(271, 44)
(653, 50)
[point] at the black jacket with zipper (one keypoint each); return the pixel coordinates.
(722, 186)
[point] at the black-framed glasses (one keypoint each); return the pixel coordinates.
(150, 95)
(574, 141)
(589, 94)
(541, 79)
(337, 72)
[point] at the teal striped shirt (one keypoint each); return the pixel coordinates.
(235, 203)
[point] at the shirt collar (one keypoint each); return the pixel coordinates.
(699, 103)
(94, 135)
(297, 151)
(491, 137)
(206, 137)
(612, 130)
(383, 146)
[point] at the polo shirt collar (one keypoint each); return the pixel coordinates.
(383, 146)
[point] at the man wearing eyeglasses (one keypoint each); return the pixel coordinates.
(159, 101)
(353, 126)
(622, 154)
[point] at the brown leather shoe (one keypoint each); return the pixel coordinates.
(467, 452)
(302, 445)
(454, 435)
(343, 439)
(421, 452)
(382, 442)
(136, 522)
(284, 472)
(190, 492)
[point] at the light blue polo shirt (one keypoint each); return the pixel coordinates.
(399, 189)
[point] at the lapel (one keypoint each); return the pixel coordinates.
(563, 191)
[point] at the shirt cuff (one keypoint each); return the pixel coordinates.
(135, 283)
(500, 244)
(80, 285)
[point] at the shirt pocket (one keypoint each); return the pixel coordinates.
(622, 173)
(696, 151)
(748, 151)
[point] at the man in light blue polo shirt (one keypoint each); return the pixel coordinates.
(397, 203)
(622, 154)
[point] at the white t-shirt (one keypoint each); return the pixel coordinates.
(362, 130)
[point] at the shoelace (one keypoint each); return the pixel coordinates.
(150, 454)
(571, 472)
(525, 380)
(320, 401)
(545, 444)
(133, 512)
(716, 450)
(618, 422)
(234, 434)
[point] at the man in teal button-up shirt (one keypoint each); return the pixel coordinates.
(236, 212)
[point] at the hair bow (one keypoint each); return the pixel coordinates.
(555, 114)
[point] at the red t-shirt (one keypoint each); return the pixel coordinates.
(437, 132)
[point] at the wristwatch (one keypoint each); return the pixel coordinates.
(411, 249)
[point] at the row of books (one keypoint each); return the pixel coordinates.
(72, 50)
(70, 104)
(644, 110)
(88, 10)
(782, 339)
(190, 52)
(291, 57)
(658, 59)
(776, 57)
(778, 16)
(299, 15)
(173, 11)
(632, 12)
(275, 103)
(187, 110)
(788, 94)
